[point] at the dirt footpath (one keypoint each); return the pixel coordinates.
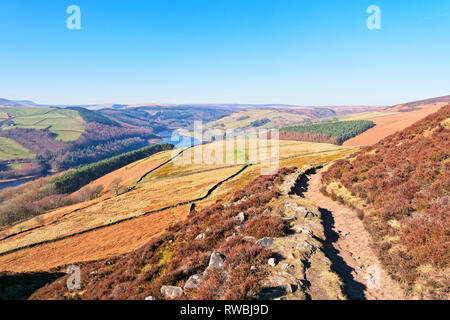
(348, 248)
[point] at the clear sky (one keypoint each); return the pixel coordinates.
(306, 52)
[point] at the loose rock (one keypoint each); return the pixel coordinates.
(265, 242)
(193, 282)
(272, 262)
(241, 217)
(217, 260)
(171, 292)
(200, 236)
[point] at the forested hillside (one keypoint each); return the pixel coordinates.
(35, 197)
(401, 188)
(60, 139)
(334, 132)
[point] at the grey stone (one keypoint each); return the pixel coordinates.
(217, 260)
(227, 204)
(305, 245)
(231, 237)
(272, 262)
(200, 236)
(301, 229)
(289, 219)
(265, 242)
(193, 282)
(241, 217)
(286, 267)
(171, 292)
(286, 204)
(250, 239)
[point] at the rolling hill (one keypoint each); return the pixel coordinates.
(145, 210)
(400, 186)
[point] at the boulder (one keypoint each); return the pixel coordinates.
(250, 239)
(171, 292)
(217, 260)
(265, 242)
(272, 262)
(305, 245)
(282, 282)
(193, 282)
(241, 217)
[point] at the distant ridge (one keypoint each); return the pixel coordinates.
(419, 103)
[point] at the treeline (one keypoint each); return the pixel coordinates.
(97, 132)
(99, 141)
(92, 116)
(307, 136)
(36, 197)
(405, 182)
(260, 122)
(78, 177)
(96, 152)
(341, 130)
(40, 142)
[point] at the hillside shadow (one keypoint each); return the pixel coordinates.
(353, 289)
(14, 286)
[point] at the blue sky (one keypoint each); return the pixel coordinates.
(306, 52)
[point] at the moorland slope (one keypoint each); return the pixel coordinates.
(400, 187)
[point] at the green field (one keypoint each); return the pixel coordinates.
(10, 150)
(67, 124)
(244, 119)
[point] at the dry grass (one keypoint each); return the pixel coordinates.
(94, 245)
(132, 172)
(148, 197)
(167, 186)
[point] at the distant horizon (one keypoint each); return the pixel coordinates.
(220, 103)
(177, 51)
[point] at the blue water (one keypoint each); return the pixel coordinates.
(180, 141)
(11, 184)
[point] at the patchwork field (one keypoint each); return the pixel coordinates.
(249, 118)
(170, 186)
(10, 150)
(67, 124)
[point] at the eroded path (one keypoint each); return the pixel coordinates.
(347, 246)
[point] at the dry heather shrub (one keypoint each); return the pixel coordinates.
(176, 255)
(407, 180)
(266, 226)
